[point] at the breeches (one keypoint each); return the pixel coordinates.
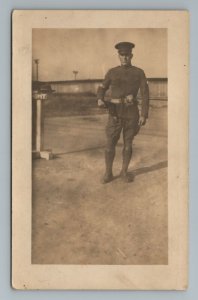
(114, 128)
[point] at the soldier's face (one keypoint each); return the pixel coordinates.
(125, 59)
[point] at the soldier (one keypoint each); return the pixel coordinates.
(125, 81)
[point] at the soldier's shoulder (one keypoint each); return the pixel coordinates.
(114, 69)
(138, 70)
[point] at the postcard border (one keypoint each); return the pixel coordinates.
(171, 277)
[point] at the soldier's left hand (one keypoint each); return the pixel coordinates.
(129, 99)
(142, 121)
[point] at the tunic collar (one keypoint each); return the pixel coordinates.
(126, 67)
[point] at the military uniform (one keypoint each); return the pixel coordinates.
(124, 82)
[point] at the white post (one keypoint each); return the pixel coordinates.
(38, 125)
(39, 151)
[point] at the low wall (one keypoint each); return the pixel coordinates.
(158, 87)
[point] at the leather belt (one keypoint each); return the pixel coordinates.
(125, 100)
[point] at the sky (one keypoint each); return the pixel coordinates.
(91, 52)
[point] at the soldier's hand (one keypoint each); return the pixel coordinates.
(129, 98)
(142, 121)
(101, 103)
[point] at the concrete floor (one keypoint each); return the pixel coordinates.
(76, 219)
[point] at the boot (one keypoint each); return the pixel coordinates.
(127, 153)
(109, 157)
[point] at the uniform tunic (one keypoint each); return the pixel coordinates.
(124, 81)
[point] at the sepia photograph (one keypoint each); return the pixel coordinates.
(99, 195)
(100, 150)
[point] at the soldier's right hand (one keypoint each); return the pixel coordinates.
(101, 103)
